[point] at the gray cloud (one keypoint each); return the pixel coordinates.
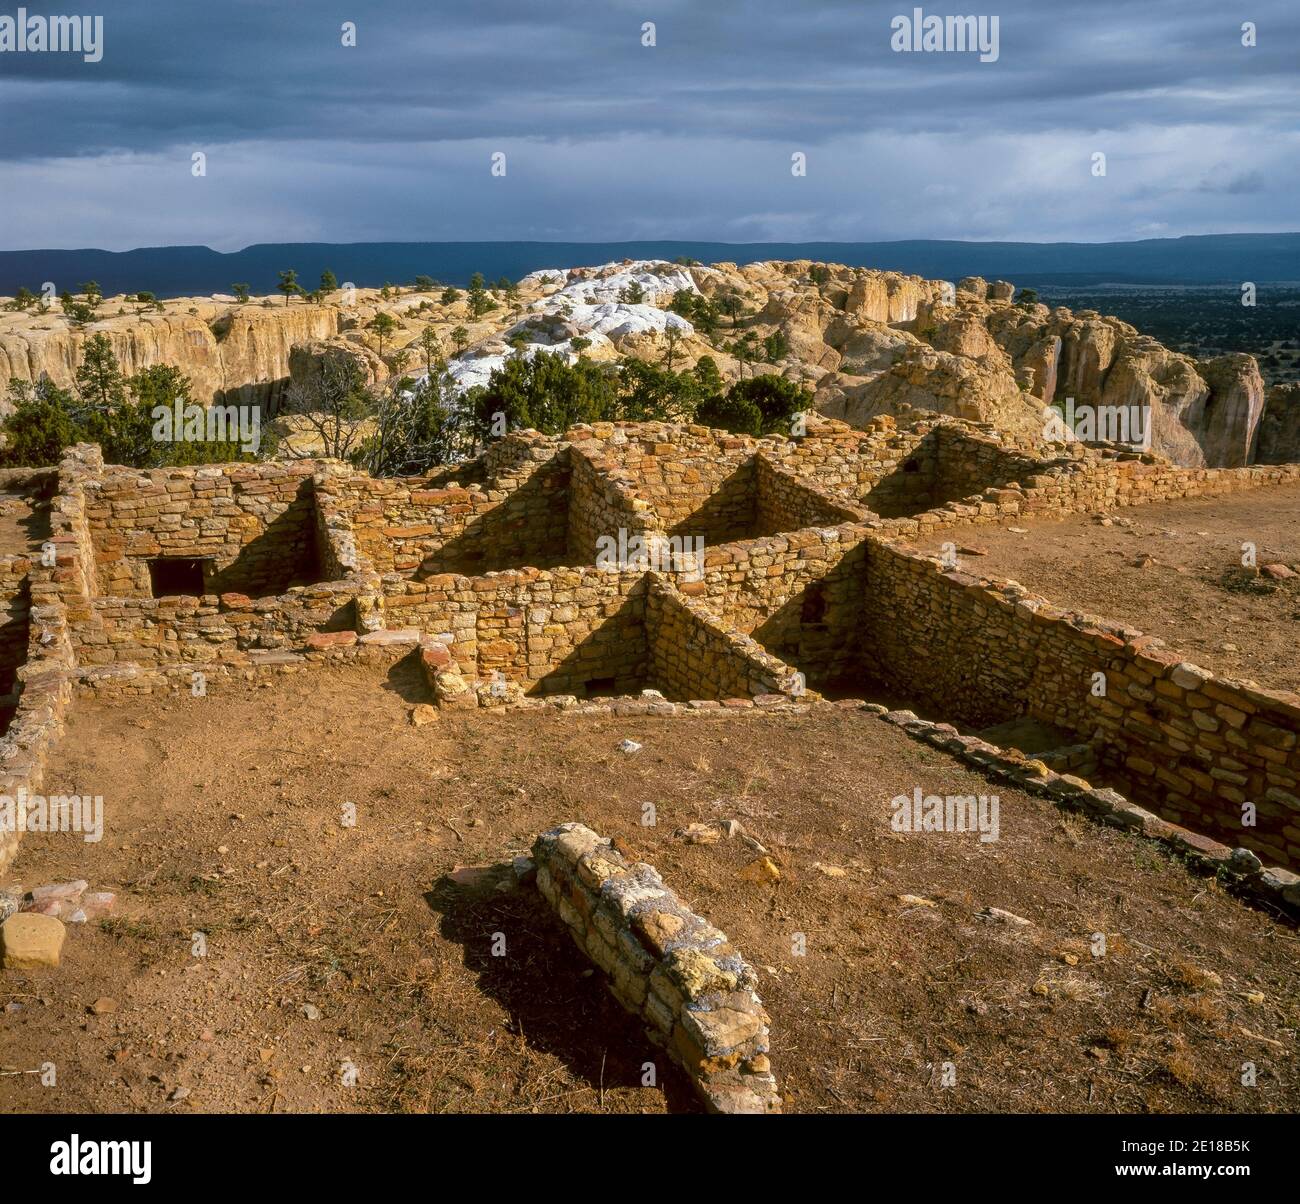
(307, 139)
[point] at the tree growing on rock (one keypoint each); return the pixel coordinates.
(79, 313)
(336, 404)
(430, 346)
(289, 285)
(416, 426)
(776, 346)
(383, 325)
(545, 393)
(22, 300)
(479, 301)
(106, 408)
(672, 336)
(241, 293)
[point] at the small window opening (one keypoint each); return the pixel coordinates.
(170, 576)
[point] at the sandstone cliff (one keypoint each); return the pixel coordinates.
(868, 343)
(1279, 429)
(229, 351)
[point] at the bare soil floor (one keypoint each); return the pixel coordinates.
(1187, 594)
(328, 944)
(24, 522)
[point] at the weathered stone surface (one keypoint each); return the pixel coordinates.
(665, 964)
(31, 942)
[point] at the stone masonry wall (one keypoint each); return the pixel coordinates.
(15, 607)
(665, 965)
(1193, 746)
(1088, 482)
(786, 502)
(255, 520)
(800, 595)
(601, 503)
(214, 629)
(508, 509)
(692, 656)
(552, 631)
(697, 481)
(45, 678)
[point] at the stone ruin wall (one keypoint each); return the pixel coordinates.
(982, 652)
(785, 502)
(761, 588)
(823, 599)
(697, 481)
(546, 630)
(256, 521)
(602, 503)
(665, 965)
(693, 656)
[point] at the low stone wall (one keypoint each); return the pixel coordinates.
(691, 655)
(550, 631)
(1089, 481)
(666, 965)
(602, 503)
(786, 502)
(255, 520)
(697, 481)
(507, 509)
(44, 680)
(212, 629)
(15, 605)
(800, 595)
(1195, 747)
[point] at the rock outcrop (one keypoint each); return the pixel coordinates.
(230, 352)
(1279, 428)
(868, 344)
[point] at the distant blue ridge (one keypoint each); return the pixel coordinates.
(1229, 259)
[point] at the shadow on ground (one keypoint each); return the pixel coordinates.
(557, 1001)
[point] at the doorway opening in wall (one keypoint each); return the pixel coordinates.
(170, 576)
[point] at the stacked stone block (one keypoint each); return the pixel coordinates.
(665, 965)
(256, 521)
(786, 502)
(692, 655)
(1197, 746)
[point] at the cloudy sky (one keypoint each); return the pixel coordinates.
(392, 139)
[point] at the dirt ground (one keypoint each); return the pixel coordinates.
(24, 522)
(328, 944)
(1187, 593)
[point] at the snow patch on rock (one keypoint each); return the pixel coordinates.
(590, 286)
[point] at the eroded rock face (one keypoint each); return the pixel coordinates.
(1230, 421)
(923, 378)
(306, 360)
(1279, 428)
(1204, 413)
(868, 343)
(230, 352)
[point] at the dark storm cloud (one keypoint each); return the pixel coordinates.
(607, 138)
